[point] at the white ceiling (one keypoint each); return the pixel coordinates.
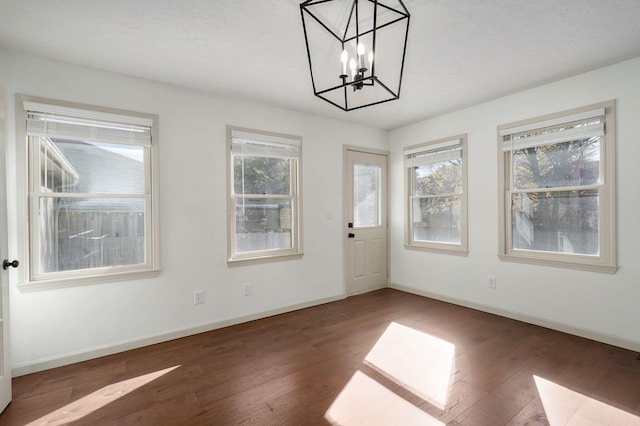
(459, 52)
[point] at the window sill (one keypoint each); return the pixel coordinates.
(264, 259)
(582, 265)
(452, 250)
(66, 282)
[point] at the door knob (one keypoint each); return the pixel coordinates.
(6, 264)
(351, 235)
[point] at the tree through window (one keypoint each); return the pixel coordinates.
(264, 195)
(558, 189)
(436, 181)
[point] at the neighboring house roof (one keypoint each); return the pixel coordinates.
(102, 171)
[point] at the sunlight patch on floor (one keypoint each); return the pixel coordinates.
(363, 401)
(412, 360)
(567, 407)
(416, 361)
(98, 399)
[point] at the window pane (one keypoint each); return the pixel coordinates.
(83, 233)
(261, 175)
(565, 222)
(437, 219)
(263, 224)
(91, 167)
(572, 163)
(366, 195)
(444, 177)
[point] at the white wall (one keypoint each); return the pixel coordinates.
(52, 327)
(599, 305)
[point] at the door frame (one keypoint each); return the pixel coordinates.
(345, 212)
(5, 369)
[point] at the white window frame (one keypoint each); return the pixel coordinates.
(605, 261)
(412, 155)
(271, 144)
(30, 277)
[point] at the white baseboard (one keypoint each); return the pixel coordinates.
(73, 357)
(553, 325)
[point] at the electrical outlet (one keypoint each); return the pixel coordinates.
(198, 297)
(492, 282)
(246, 289)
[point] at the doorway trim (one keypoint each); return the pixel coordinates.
(5, 329)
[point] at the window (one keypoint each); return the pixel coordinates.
(558, 189)
(437, 196)
(91, 201)
(264, 196)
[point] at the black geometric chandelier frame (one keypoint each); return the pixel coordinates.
(356, 50)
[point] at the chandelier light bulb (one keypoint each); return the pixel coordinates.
(344, 57)
(371, 61)
(353, 66)
(360, 55)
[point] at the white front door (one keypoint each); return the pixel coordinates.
(5, 364)
(366, 231)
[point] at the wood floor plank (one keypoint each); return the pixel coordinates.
(532, 414)
(311, 366)
(490, 411)
(462, 396)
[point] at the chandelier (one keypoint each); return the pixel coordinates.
(356, 50)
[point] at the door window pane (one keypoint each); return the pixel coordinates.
(366, 195)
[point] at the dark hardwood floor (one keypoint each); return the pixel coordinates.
(385, 357)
